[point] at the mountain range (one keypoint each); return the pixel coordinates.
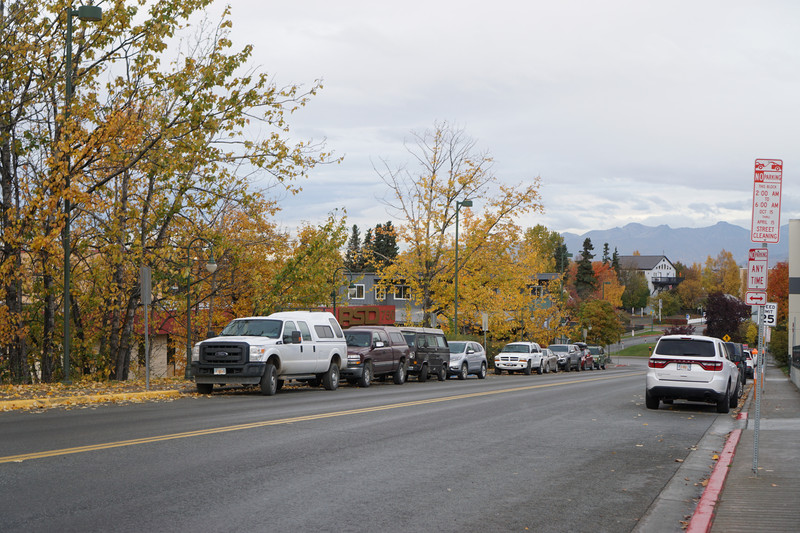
(687, 245)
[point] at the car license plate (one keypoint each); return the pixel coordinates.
(219, 371)
(684, 366)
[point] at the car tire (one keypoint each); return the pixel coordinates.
(482, 371)
(442, 374)
(269, 381)
(527, 370)
(463, 372)
(497, 371)
(205, 388)
(650, 400)
(423, 374)
(540, 370)
(330, 379)
(366, 375)
(400, 375)
(734, 399)
(724, 401)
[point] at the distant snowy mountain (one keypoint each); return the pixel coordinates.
(687, 245)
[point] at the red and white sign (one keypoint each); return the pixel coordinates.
(755, 297)
(757, 261)
(766, 222)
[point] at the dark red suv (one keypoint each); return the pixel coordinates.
(375, 351)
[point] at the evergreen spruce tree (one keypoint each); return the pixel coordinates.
(367, 257)
(385, 247)
(606, 258)
(615, 264)
(353, 260)
(585, 280)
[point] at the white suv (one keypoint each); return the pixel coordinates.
(691, 367)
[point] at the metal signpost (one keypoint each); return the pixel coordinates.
(764, 228)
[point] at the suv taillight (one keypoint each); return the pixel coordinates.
(714, 366)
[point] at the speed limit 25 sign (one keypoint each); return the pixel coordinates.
(770, 314)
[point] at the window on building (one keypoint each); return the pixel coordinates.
(356, 292)
(402, 292)
(380, 294)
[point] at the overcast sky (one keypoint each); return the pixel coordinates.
(630, 111)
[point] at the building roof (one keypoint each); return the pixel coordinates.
(641, 262)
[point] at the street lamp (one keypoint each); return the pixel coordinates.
(211, 267)
(336, 288)
(86, 14)
(465, 203)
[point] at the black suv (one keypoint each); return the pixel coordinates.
(430, 353)
(736, 354)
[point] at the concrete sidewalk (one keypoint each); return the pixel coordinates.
(770, 499)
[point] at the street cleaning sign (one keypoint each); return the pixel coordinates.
(766, 222)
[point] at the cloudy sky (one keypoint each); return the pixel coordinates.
(630, 111)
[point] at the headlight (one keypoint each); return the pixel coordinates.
(196, 352)
(258, 353)
(353, 358)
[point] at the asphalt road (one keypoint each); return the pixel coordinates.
(565, 452)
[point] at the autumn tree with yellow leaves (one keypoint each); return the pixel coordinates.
(168, 129)
(496, 269)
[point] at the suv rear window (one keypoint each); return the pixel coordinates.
(694, 347)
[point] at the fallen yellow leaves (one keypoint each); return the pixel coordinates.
(41, 396)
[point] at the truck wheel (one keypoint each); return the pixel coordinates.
(205, 388)
(497, 371)
(269, 381)
(423, 374)
(482, 372)
(330, 379)
(527, 370)
(442, 375)
(366, 375)
(400, 375)
(540, 369)
(462, 374)
(723, 402)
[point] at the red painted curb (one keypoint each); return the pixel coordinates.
(704, 513)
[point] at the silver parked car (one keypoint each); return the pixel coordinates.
(467, 357)
(569, 356)
(549, 361)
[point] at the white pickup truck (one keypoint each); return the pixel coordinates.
(267, 351)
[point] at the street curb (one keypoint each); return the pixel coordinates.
(704, 513)
(8, 405)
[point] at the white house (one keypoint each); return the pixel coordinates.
(659, 272)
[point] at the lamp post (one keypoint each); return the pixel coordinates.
(604, 288)
(211, 267)
(336, 287)
(86, 14)
(465, 203)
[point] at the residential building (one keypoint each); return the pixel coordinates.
(659, 271)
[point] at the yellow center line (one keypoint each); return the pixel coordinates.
(282, 421)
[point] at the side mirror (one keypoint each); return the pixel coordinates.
(296, 337)
(379, 344)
